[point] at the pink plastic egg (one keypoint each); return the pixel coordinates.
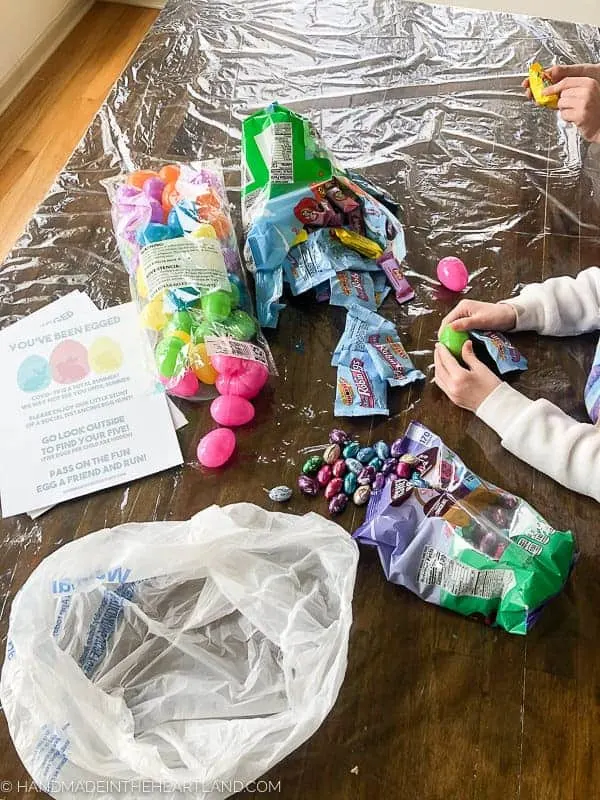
(216, 448)
(239, 376)
(186, 386)
(231, 410)
(452, 274)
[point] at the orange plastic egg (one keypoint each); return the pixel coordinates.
(200, 364)
(221, 224)
(208, 203)
(169, 197)
(169, 173)
(140, 176)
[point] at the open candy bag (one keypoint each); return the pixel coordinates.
(177, 242)
(462, 543)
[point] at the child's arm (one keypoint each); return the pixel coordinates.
(545, 437)
(560, 306)
(557, 307)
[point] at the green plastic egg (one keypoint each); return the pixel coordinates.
(169, 358)
(235, 295)
(453, 340)
(241, 326)
(216, 306)
(180, 321)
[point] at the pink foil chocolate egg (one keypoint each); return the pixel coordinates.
(452, 274)
(216, 448)
(231, 410)
(239, 376)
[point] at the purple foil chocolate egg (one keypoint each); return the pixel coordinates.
(308, 485)
(334, 487)
(338, 437)
(366, 476)
(389, 466)
(338, 503)
(397, 448)
(324, 475)
(379, 482)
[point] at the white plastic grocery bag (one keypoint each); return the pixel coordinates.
(178, 659)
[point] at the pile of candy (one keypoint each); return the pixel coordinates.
(348, 471)
(178, 244)
(460, 542)
(313, 225)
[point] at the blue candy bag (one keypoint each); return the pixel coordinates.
(392, 363)
(362, 326)
(350, 288)
(505, 356)
(360, 392)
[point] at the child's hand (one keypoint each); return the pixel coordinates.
(471, 315)
(466, 388)
(579, 102)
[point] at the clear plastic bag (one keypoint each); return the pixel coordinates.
(177, 241)
(194, 653)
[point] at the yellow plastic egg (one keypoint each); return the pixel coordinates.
(204, 231)
(140, 283)
(200, 364)
(185, 337)
(153, 315)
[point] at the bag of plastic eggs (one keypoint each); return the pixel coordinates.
(177, 241)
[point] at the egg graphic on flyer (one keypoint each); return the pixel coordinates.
(105, 355)
(69, 362)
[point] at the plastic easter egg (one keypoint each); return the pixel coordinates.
(222, 225)
(105, 355)
(169, 358)
(185, 337)
(174, 223)
(169, 173)
(201, 330)
(240, 288)
(154, 232)
(204, 231)
(216, 448)
(125, 192)
(140, 176)
(153, 187)
(241, 326)
(231, 410)
(170, 197)
(181, 321)
(452, 274)
(200, 364)
(34, 374)
(185, 385)
(453, 340)
(216, 306)
(140, 283)
(69, 362)
(239, 376)
(235, 294)
(157, 215)
(208, 202)
(153, 315)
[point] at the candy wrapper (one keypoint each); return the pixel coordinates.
(360, 391)
(177, 242)
(592, 389)
(305, 217)
(392, 363)
(462, 543)
(496, 349)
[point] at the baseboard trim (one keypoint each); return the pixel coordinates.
(41, 50)
(143, 3)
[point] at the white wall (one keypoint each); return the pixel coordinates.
(30, 31)
(575, 11)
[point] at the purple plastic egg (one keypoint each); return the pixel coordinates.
(404, 470)
(339, 468)
(154, 187)
(334, 487)
(397, 448)
(338, 436)
(157, 213)
(366, 476)
(338, 503)
(324, 475)
(308, 485)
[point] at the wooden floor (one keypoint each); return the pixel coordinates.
(39, 130)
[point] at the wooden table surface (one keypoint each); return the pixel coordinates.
(434, 706)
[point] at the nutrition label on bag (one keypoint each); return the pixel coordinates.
(275, 145)
(177, 263)
(438, 569)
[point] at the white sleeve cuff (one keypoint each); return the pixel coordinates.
(502, 407)
(530, 316)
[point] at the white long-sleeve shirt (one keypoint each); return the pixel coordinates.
(536, 431)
